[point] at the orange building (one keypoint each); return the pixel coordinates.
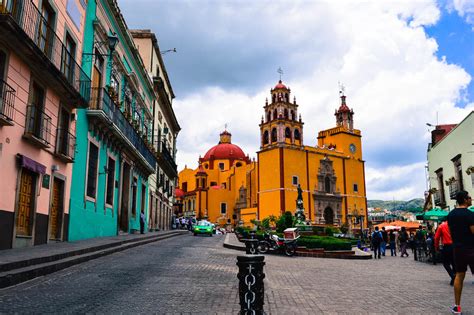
(227, 187)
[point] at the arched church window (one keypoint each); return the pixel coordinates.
(273, 98)
(286, 113)
(265, 137)
(275, 113)
(292, 115)
(274, 135)
(287, 98)
(327, 184)
(269, 116)
(297, 134)
(189, 205)
(287, 132)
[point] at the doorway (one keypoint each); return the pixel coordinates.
(26, 203)
(329, 215)
(57, 210)
(125, 202)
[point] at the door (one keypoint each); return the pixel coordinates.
(125, 202)
(56, 213)
(97, 81)
(63, 133)
(26, 202)
(45, 32)
(329, 215)
(3, 61)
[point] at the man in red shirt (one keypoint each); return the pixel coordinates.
(444, 235)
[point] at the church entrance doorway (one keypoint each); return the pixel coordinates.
(329, 215)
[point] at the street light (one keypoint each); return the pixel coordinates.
(167, 51)
(112, 41)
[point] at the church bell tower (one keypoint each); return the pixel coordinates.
(281, 125)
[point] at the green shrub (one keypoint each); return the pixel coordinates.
(285, 221)
(330, 230)
(326, 242)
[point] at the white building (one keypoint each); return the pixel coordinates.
(451, 161)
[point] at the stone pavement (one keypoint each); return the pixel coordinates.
(197, 275)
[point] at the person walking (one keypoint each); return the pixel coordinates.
(443, 236)
(142, 222)
(393, 243)
(461, 226)
(403, 239)
(383, 244)
(376, 241)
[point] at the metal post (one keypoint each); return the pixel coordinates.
(251, 246)
(251, 290)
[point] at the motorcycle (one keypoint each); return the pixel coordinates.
(272, 242)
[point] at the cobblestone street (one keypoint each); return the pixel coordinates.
(196, 275)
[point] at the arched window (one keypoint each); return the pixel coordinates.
(329, 215)
(269, 116)
(265, 137)
(273, 98)
(287, 97)
(287, 132)
(189, 206)
(297, 134)
(286, 113)
(292, 115)
(327, 184)
(275, 114)
(238, 164)
(274, 135)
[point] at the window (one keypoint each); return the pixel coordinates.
(45, 29)
(223, 208)
(142, 208)
(265, 137)
(224, 185)
(458, 172)
(356, 188)
(92, 170)
(295, 181)
(287, 133)
(109, 197)
(185, 187)
(274, 135)
(221, 166)
(297, 134)
(213, 184)
(68, 58)
(327, 184)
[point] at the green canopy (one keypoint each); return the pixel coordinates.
(471, 208)
(435, 215)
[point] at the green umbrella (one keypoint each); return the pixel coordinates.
(435, 215)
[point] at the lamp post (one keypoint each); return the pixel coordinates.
(112, 41)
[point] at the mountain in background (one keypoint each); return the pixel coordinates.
(414, 205)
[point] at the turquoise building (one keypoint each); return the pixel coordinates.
(114, 152)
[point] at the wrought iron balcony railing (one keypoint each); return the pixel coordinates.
(7, 104)
(66, 144)
(38, 125)
(38, 29)
(438, 198)
(101, 100)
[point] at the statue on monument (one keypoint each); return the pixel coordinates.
(299, 213)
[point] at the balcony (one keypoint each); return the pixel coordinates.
(28, 34)
(107, 116)
(453, 189)
(166, 162)
(65, 145)
(7, 104)
(438, 199)
(38, 126)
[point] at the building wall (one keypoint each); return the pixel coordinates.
(458, 141)
(20, 73)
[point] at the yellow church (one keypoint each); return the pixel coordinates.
(229, 187)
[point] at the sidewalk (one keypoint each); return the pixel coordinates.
(22, 264)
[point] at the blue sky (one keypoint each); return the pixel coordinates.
(403, 64)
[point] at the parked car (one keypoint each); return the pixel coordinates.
(203, 227)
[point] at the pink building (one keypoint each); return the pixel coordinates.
(41, 85)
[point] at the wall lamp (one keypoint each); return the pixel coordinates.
(112, 41)
(167, 51)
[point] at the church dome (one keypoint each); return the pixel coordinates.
(280, 85)
(225, 150)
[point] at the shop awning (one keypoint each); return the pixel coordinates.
(31, 165)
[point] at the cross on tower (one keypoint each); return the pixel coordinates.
(280, 71)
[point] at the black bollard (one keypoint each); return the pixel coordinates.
(251, 246)
(251, 291)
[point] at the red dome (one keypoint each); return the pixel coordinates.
(178, 193)
(280, 85)
(224, 151)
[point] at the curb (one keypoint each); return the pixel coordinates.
(62, 261)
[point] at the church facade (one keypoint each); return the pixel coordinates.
(331, 174)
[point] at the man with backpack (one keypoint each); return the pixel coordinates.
(376, 242)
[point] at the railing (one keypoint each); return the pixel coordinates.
(7, 98)
(453, 189)
(101, 100)
(66, 143)
(437, 198)
(32, 22)
(168, 156)
(38, 124)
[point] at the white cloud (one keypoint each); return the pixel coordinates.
(465, 9)
(378, 49)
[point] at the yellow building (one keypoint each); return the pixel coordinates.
(228, 187)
